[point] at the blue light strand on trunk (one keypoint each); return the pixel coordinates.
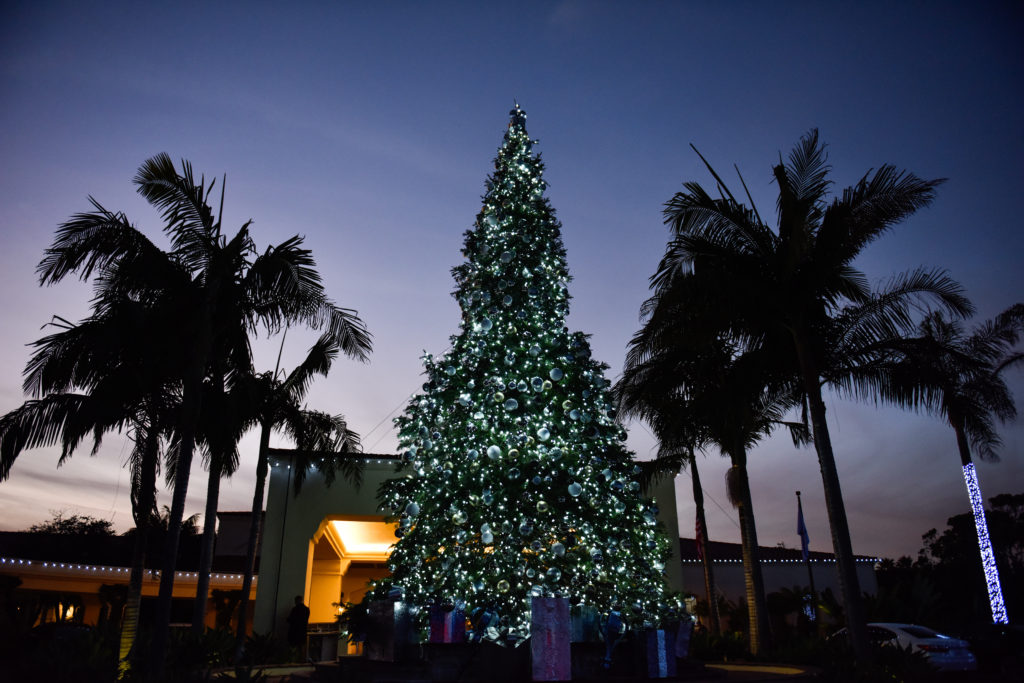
(988, 558)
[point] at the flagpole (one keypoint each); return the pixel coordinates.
(802, 530)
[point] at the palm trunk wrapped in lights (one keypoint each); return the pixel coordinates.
(988, 557)
(944, 371)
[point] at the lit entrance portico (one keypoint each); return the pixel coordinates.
(321, 544)
(344, 554)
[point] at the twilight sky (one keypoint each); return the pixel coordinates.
(370, 129)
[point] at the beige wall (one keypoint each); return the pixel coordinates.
(354, 583)
(324, 589)
(292, 523)
(664, 494)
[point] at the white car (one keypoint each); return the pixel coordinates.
(944, 652)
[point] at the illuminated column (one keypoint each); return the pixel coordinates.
(988, 558)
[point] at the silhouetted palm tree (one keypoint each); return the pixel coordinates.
(730, 401)
(222, 424)
(100, 376)
(944, 372)
(676, 445)
(221, 289)
(277, 404)
(783, 291)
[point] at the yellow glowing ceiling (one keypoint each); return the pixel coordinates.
(364, 541)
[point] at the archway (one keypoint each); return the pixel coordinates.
(344, 556)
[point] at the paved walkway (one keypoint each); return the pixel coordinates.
(716, 673)
(764, 672)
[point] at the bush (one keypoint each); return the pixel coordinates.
(263, 649)
(65, 652)
(708, 647)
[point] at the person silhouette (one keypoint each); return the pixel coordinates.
(298, 623)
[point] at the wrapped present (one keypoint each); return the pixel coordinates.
(447, 625)
(549, 639)
(389, 631)
(585, 624)
(661, 653)
(485, 621)
(614, 629)
(683, 637)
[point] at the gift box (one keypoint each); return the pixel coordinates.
(447, 625)
(661, 653)
(389, 631)
(585, 623)
(549, 639)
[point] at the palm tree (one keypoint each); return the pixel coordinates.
(727, 400)
(222, 425)
(278, 406)
(676, 445)
(221, 290)
(959, 378)
(785, 291)
(108, 358)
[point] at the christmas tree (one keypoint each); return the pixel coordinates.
(517, 482)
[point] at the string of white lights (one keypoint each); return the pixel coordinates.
(369, 461)
(869, 560)
(6, 562)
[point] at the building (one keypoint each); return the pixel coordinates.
(325, 544)
(780, 568)
(85, 578)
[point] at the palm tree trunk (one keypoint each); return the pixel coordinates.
(143, 515)
(846, 566)
(753, 582)
(209, 537)
(255, 523)
(988, 558)
(709, 573)
(191, 405)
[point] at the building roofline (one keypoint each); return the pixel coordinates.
(732, 553)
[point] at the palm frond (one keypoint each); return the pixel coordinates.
(720, 221)
(95, 241)
(187, 215)
(284, 287)
(36, 424)
(869, 209)
(317, 362)
(803, 182)
(324, 441)
(736, 485)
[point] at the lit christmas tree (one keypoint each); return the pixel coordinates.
(519, 484)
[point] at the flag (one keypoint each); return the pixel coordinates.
(801, 529)
(699, 537)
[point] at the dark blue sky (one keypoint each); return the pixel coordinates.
(370, 130)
